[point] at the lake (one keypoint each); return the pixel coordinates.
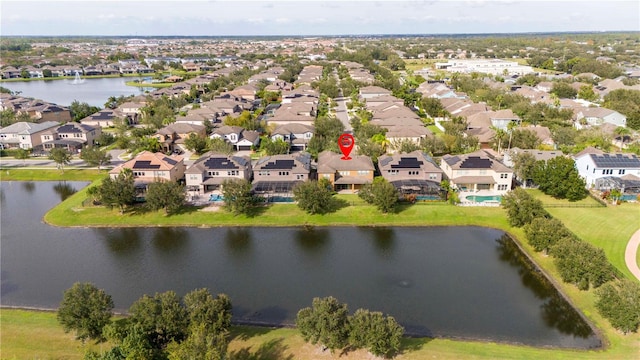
(456, 282)
(95, 92)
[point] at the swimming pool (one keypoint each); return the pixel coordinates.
(479, 198)
(216, 197)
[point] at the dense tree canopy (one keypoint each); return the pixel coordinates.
(325, 323)
(543, 233)
(119, 191)
(581, 263)
(95, 156)
(375, 332)
(619, 302)
(314, 197)
(380, 193)
(162, 317)
(237, 195)
(85, 309)
(167, 195)
(559, 178)
(521, 207)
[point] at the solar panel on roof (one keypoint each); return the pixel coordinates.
(476, 162)
(170, 160)
(220, 163)
(616, 161)
(144, 164)
(279, 165)
(408, 163)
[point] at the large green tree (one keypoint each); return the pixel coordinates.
(86, 310)
(23, 154)
(380, 193)
(564, 90)
(196, 144)
(314, 197)
(543, 233)
(167, 195)
(237, 195)
(521, 207)
(212, 312)
(379, 334)
(619, 302)
(325, 322)
(523, 165)
(61, 157)
(162, 317)
(95, 156)
(559, 178)
(119, 191)
(581, 263)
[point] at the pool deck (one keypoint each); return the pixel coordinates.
(464, 202)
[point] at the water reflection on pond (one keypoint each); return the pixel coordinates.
(467, 282)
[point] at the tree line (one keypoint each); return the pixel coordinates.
(578, 262)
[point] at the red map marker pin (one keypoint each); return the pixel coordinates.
(346, 142)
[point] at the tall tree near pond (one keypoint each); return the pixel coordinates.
(162, 317)
(324, 323)
(119, 191)
(167, 195)
(521, 207)
(61, 157)
(380, 193)
(95, 156)
(543, 233)
(379, 334)
(86, 310)
(314, 197)
(238, 198)
(619, 302)
(523, 165)
(581, 263)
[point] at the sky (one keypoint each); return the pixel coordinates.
(310, 17)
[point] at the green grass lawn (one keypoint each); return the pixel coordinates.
(609, 228)
(28, 334)
(37, 335)
(40, 174)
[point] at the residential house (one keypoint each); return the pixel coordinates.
(296, 112)
(598, 116)
(247, 92)
(71, 136)
(212, 169)
(411, 173)
(477, 171)
(368, 92)
(25, 135)
(237, 136)
(104, 118)
(593, 164)
(297, 135)
(347, 175)
(172, 136)
(538, 155)
(148, 167)
(278, 174)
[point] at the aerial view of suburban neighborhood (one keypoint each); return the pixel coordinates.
(319, 180)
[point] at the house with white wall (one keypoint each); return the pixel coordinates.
(593, 164)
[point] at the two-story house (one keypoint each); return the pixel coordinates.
(278, 174)
(212, 169)
(148, 167)
(411, 173)
(477, 171)
(296, 135)
(71, 136)
(172, 136)
(25, 135)
(237, 136)
(593, 164)
(347, 175)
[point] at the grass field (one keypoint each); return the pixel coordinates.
(22, 333)
(609, 228)
(40, 174)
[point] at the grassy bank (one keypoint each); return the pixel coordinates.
(609, 228)
(37, 335)
(151, 85)
(40, 174)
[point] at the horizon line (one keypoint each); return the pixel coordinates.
(339, 35)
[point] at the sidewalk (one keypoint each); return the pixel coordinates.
(630, 254)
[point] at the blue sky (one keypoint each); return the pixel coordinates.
(309, 17)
